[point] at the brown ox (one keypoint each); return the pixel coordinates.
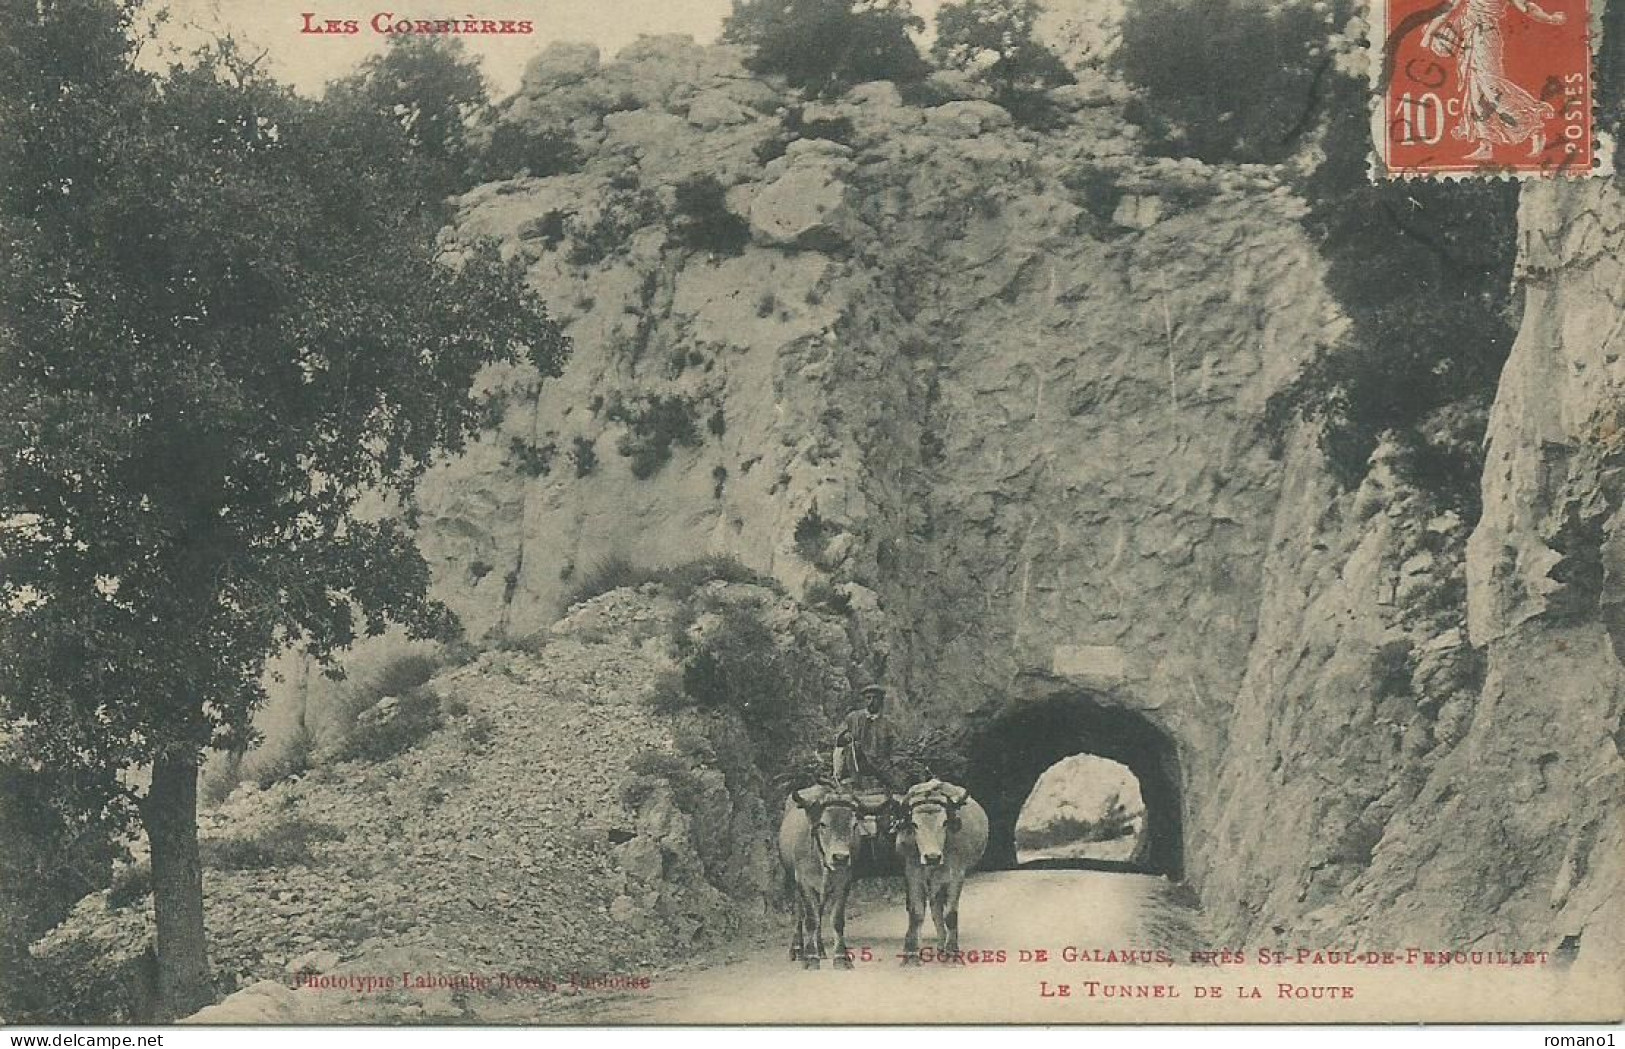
(817, 839)
(940, 838)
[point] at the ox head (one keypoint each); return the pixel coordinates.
(932, 821)
(834, 821)
(932, 814)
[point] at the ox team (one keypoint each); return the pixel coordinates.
(937, 830)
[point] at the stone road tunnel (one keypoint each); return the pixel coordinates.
(1012, 744)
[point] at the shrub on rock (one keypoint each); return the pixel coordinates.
(826, 46)
(996, 42)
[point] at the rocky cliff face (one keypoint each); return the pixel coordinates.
(1437, 724)
(1000, 385)
(1001, 389)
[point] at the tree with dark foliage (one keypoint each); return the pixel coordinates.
(996, 41)
(826, 46)
(1224, 80)
(224, 320)
(432, 89)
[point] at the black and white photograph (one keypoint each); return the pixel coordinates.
(605, 513)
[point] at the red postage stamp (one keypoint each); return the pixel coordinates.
(1483, 87)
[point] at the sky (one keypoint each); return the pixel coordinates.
(308, 61)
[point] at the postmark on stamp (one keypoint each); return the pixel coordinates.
(1485, 88)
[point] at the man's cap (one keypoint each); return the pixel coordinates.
(873, 690)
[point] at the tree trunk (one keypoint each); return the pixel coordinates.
(170, 816)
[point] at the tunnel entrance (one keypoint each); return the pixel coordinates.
(1084, 811)
(1011, 745)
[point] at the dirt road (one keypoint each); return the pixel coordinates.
(1119, 950)
(1007, 912)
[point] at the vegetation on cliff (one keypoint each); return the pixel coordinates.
(855, 42)
(1422, 269)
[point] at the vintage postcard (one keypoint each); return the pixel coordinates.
(811, 512)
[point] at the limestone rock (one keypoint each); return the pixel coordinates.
(265, 1002)
(881, 94)
(807, 205)
(1039, 434)
(559, 64)
(716, 108)
(955, 85)
(968, 118)
(1086, 94)
(1093, 666)
(1137, 212)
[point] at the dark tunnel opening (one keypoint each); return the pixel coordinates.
(1010, 747)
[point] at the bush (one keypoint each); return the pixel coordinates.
(697, 747)
(1063, 830)
(636, 790)
(667, 696)
(1096, 189)
(130, 886)
(516, 150)
(550, 228)
(703, 220)
(396, 677)
(532, 460)
(1114, 821)
(826, 46)
(584, 454)
(387, 729)
(82, 981)
(480, 731)
(655, 424)
(294, 758)
(653, 767)
(1183, 56)
(795, 125)
(827, 597)
(738, 666)
(286, 843)
(812, 534)
(675, 771)
(55, 855)
(611, 573)
(996, 42)
(682, 580)
(402, 674)
(625, 210)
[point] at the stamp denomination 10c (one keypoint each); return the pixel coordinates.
(1483, 88)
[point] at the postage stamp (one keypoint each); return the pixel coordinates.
(1486, 88)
